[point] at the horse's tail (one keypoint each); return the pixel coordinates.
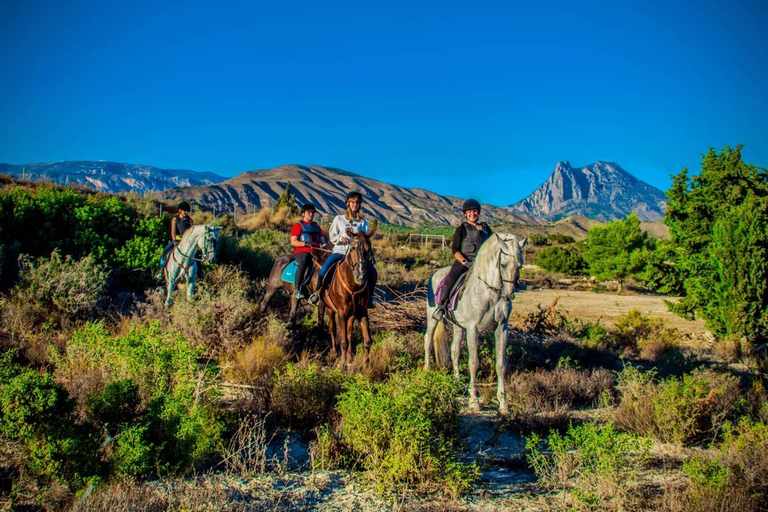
(440, 343)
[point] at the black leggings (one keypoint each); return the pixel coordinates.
(453, 275)
(304, 262)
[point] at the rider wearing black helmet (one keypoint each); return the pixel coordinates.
(306, 236)
(466, 241)
(180, 223)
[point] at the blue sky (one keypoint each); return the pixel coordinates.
(471, 99)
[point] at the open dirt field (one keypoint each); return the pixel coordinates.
(607, 307)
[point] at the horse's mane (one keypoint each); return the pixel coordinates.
(489, 251)
(193, 231)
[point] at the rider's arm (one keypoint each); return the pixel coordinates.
(173, 229)
(458, 236)
(337, 231)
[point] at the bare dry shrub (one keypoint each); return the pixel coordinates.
(730, 349)
(690, 409)
(283, 219)
(123, 496)
(562, 388)
(246, 454)
(255, 364)
(655, 348)
(393, 275)
(404, 312)
(221, 316)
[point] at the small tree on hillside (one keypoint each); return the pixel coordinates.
(718, 226)
(287, 200)
(616, 250)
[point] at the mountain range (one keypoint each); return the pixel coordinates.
(603, 191)
(110, 176)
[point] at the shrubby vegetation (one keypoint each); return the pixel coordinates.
(96, 394)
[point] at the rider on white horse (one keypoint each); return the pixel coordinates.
(181, 222)
(466, 241)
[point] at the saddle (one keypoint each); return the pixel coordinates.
(454, 293)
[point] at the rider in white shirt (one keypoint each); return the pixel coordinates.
(343, 228)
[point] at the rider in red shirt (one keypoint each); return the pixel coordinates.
(306, 235)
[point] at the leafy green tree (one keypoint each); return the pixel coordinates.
(565, 260)
(616, 250)
(718, 225)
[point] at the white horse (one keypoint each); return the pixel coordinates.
(181, 263)
(485, 303)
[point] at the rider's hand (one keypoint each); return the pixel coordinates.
(345, 240)
(467, 263)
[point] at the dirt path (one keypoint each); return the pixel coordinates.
(607, 307)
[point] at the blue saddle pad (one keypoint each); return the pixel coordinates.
(289, 273)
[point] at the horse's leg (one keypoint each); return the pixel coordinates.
(458, 337)
(320, 314)
(294, 308)
(341, 336)
(191, 278)
(474, 362)
(366, 339)
(267, 296)
(501, 365)
(335, 349)
(170, 285)
(350, 346)
(431, 325)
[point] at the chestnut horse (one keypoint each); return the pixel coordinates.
(347, 297)
(275, 282)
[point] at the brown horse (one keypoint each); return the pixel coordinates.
(347, 298)
(275, 282)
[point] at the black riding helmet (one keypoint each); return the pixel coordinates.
(184, 206)
(309, 207)
(354, 195)
(470, 204)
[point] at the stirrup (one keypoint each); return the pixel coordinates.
(439, 313)
(297, 294)
(314, 299)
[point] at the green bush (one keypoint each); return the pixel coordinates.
(564, 260)
(306, 398)
(402, 431)
(559, 238)
(38, 414)
(597, 463)
(537, 239)
(736, 479)
(177, 423)
(255, 253)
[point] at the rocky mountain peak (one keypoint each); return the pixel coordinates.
(602, 190)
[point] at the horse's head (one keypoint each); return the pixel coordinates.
(360, 255)
(207, 243)
(511, 256)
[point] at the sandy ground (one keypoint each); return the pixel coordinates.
(606, 307)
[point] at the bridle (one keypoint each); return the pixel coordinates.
(500, 288)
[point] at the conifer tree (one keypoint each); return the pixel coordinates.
(718, 225)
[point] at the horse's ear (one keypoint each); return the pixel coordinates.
(524, 243)
(372, 231)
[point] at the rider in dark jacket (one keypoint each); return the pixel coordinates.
(180, 222)
(466, 241)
